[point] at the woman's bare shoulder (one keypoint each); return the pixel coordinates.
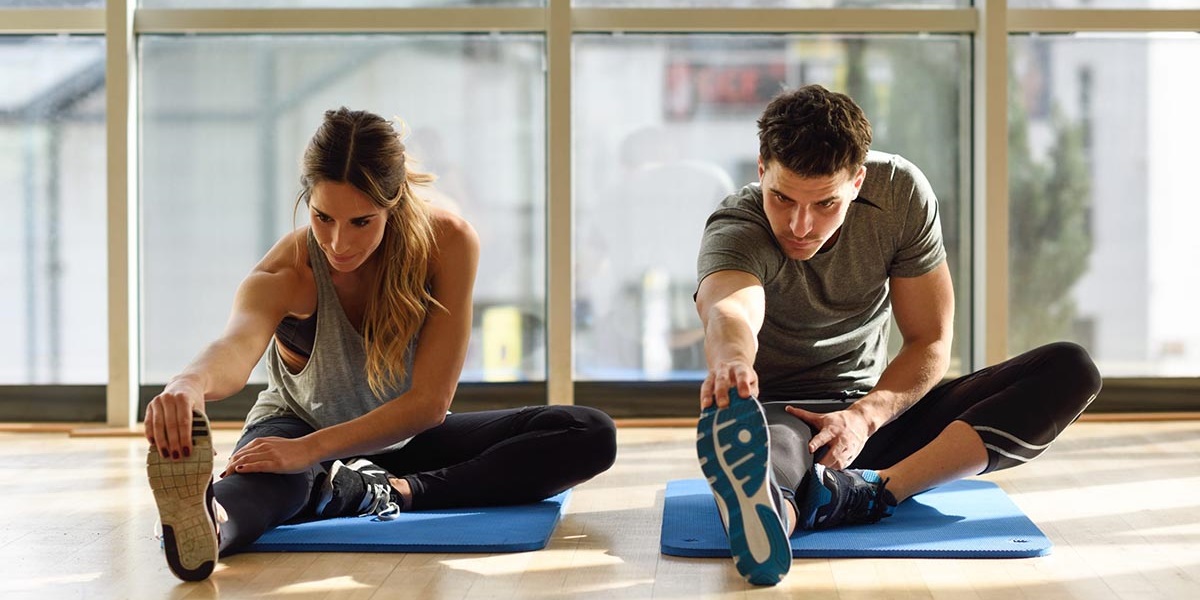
(288, 255)
(286, 270)
(456, 249)
(451, 231)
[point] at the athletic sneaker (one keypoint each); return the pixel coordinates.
(183, 492)
(734, 448)
(831, 497)
(359, 487)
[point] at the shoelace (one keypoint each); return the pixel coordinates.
(867, 504)
(381, 502)
(388, 514)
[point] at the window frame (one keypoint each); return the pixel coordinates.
(988, 23)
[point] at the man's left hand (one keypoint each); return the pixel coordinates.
(842, 433)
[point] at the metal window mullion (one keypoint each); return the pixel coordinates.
(121, 133)
(991, 281)
(334, 20)
(1114, 20)
(30, 21)
(560, 350)
(750, 20)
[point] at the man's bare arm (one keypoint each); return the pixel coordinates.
(731, 305)
(924, 310)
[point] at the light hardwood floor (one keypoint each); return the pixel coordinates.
(1121, 501)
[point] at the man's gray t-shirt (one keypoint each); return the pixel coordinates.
(825, 332)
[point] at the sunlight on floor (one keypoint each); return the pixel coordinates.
(343, 584)
(544, 560)
(1185, 534)
(37, 583)
(1101, 500)
(608, 587)
(631, 497)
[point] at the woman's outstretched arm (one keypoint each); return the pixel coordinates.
(222, 368)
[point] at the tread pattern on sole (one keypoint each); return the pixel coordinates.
(733, 445)
(181, 491)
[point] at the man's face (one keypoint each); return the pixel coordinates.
(806, 213)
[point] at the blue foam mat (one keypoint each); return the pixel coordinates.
(964, 519)
(477, 530)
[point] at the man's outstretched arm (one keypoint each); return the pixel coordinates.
(731, 306)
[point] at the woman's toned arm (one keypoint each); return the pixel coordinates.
(222, 368)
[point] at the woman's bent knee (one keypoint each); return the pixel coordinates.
(594, 435)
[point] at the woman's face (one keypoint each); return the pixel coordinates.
(347, 224)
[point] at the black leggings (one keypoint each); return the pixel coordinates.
(1017, 407)
(485, 458)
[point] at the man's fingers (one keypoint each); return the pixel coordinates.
(745, 388)
(835, 457)
(823, 437)
(721, 389)
(727, 378)
(706, 395)
(803, 415)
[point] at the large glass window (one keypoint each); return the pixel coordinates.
(1103, 199)
(664, 128)
(224, 120)
(53, 307)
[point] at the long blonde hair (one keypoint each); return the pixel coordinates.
(364, 150)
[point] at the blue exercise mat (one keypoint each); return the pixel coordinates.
(964, 519)
(477, 530)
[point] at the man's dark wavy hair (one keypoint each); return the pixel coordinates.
(814, 132)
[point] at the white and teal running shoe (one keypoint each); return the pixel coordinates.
(734, 448)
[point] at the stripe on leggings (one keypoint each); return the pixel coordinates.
(993, 448)
(1007, 446)
(1011, 437)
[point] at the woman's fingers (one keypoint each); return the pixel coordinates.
(148, 424)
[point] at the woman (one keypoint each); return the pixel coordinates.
(365, 316)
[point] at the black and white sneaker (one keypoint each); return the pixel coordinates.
(184, 495)
(356, 488)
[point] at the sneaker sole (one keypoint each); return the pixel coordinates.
(183, 491)
(733, 445)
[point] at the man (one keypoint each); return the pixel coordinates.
(799, 276)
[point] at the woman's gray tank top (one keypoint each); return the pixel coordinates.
(332, 388)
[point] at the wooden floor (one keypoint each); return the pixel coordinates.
(1121, 501)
